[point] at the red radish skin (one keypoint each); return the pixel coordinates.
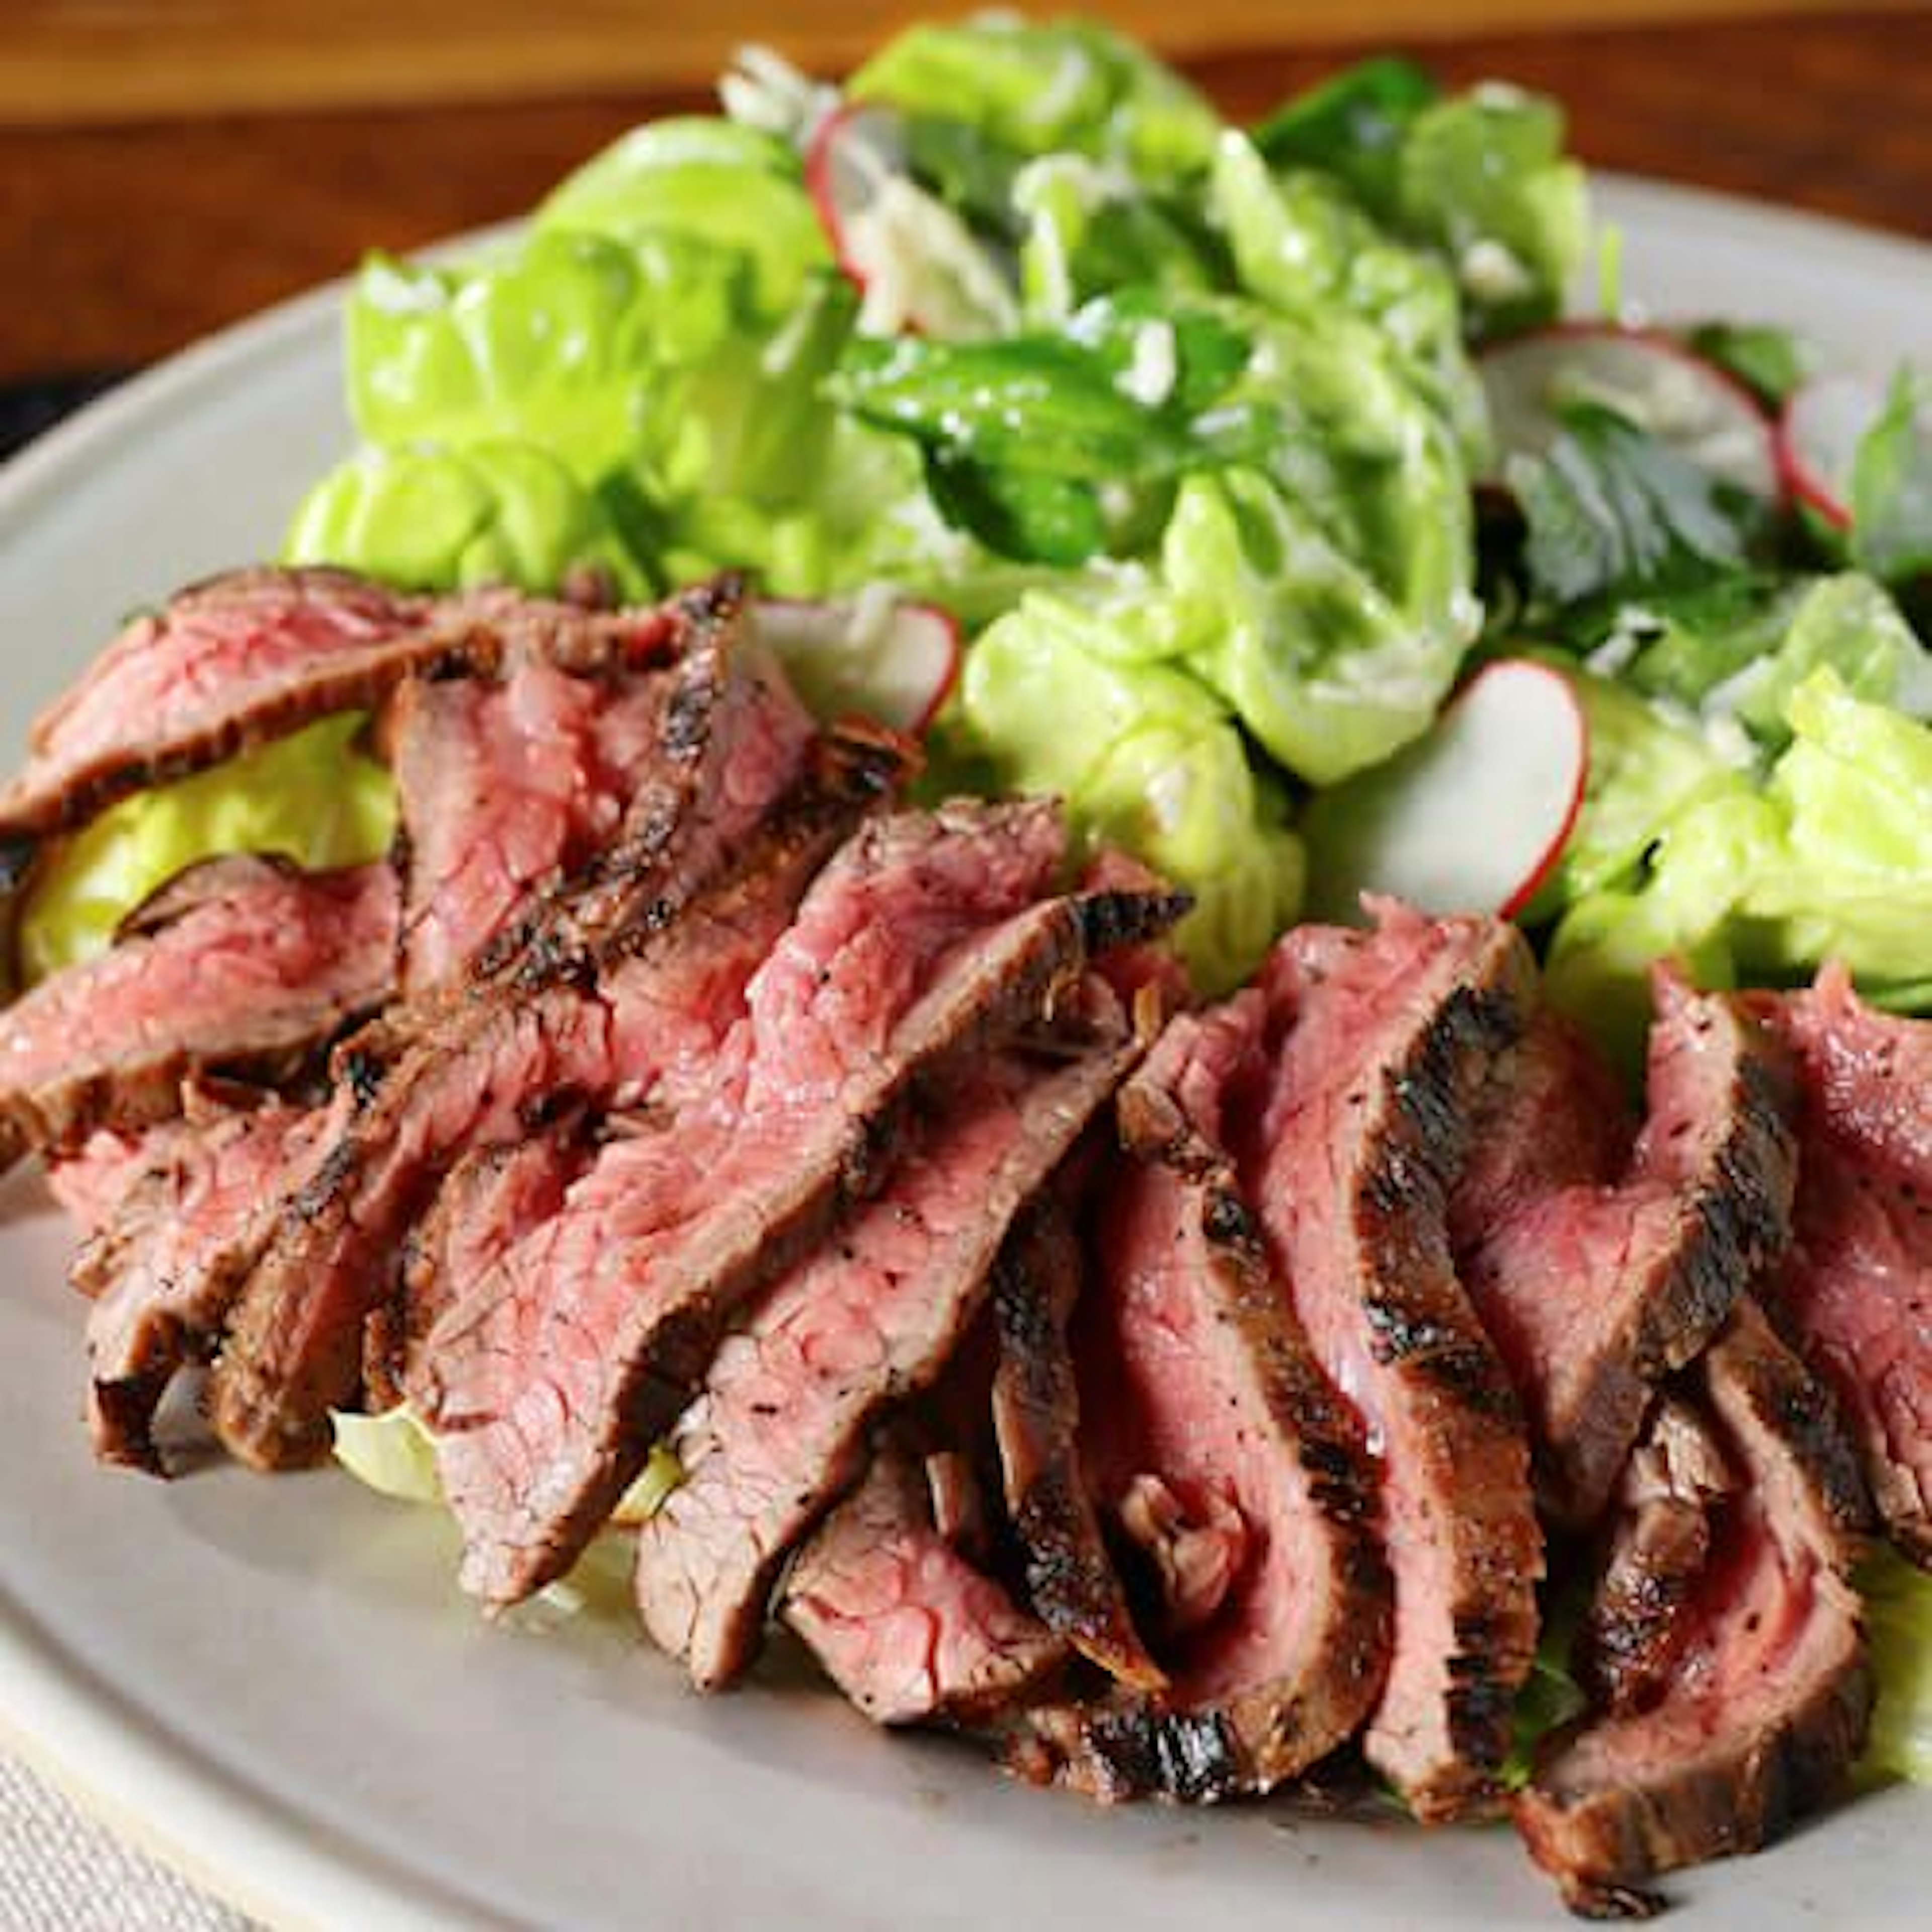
(821, 177)
(1769, 479)
(1553, 854)
(1805, 469)
(1424, 808)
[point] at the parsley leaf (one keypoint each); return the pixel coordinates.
(1892, 485)
(1612, 513)
(1771, 362)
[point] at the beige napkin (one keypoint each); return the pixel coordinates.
(60, 1872)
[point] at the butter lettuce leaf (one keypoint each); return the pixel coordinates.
(1147, 759)
(434, 519)
(697, 188)
(1898, 1618)
(1060, 86)
(1829, 858)
(314, 797)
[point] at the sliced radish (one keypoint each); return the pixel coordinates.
(1818, 439)
(873, 654)
(915, 265)
(1705, 414)
(1473, 817)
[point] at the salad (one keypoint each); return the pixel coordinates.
(1248, 488)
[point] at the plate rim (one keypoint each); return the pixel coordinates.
(155, 1785)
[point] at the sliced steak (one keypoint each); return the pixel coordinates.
(505, 787)
(1855, 1294)
(1764, 1709)
(250, 656)
(164, 1266)
(1552, 1116)
(1380, 1043)
(1071, 1580)
(779, 1431)
(90, 1181)
(465, 1066)
(889, 973)
(493, 1196)
(900, 1620)
(1659, 1547)
(1219, 1446)
(240, 965)
(1593, 1294)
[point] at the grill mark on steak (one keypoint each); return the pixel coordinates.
(1208, 1409)
(248, 657)
(1854, 1294)
(1071, 1581)
(1594, 1295)
(458, 1068)
(882, 978)
(900, 1620)
(1381, 1042)
(239, 965)
(506, 788)
(1634, 1630)
(165, 1265)
(779, 1429)
(1766, 1710)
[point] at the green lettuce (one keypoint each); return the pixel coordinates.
(1892, 485)
(1326, 661)
(1090, 230)
(1302, 246)
(442, 519)
(1831, 857)
(563, 341)
(313, 797)
(1480, 178)
(1738, 649)
(1898, 1619)
(1147, 759)
(1483, 178)
(1352, 126)
(1066, 85)
(726, 193)
(394, 1454)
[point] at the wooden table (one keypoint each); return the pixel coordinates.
(118, 243)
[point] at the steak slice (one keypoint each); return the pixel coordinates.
(889, 973)
(91, 1181)
(1633, 1632)
(1071, 1580)
(1765, 1707)
(1218, 1444)
(779, 1431)
(1552, 1116)
(903, 1623)
(165, 1264)
(471, 1069)
(493, 1196)
(241, 965)
(506, 787)
(248, 657)
(1380, 1043)
(1855, 1294)
(1593, 1294)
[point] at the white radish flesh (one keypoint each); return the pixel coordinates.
(1818, 440)
(872, 655)
(1473, 817)
(1706, 416)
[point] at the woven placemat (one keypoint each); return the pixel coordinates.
(60, 1871)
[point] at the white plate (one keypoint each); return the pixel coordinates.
(277, 1681)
